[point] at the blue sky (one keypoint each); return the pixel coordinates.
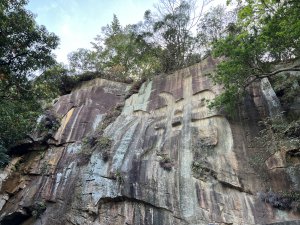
(77, 22)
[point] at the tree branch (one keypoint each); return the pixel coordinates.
(264, 75)
(10, 60)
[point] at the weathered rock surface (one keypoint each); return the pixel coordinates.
(171, 159)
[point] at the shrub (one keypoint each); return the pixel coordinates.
(100, 142)
(4, 158)
(83, 158)
(104, 145)
(37, 209)
(91, 141)
(49, 123)
(135, 87)
(166, 163)
(110, 117)
(286, 86)
(119, 177)
(282, 200)
(276, 134)
(17, 118)
(202, 170)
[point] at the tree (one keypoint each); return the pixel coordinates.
(163, 42)
(173, 27)
(53, 83)
(123, 50)
(266, 34)
(118, 52)
(213, 26)
(25, 48)
(84, 60)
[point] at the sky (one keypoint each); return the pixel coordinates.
(77, 22)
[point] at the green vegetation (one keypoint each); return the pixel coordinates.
(135, 87)
(117, 52)
(110, 117)
(213, 26)
(286, 87)
(282, 200)
(25, 47)
(263, 43)
(276, 134)
(49, 123)
(162, 43)
(254, 46)
(174, 35)
(103, 142)
(98, 141)
(119, 177)
(166, 163)
(104, 145)
(202, 171)
(38, 209)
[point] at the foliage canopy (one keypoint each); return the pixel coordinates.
(266, 34)
(163, 42)
(25, 47)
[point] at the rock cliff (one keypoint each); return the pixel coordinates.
(158, 157)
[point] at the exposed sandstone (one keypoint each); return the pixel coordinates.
(208, 180)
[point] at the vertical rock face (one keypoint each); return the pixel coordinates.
(166, 159)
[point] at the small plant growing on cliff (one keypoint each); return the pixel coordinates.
(118, 176)
(203, 146)
(104, 145)
(49, 123)
(105, 156)
(201, 170)
(286, 87)
(276, 134)
(166, 163)
(196, 167)
(4, 158)
(37, 209)
(90, 141)
(84, 158)
(44, 168)
(282, 200)
(103, 142)
(135, 87)
(110, 117)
